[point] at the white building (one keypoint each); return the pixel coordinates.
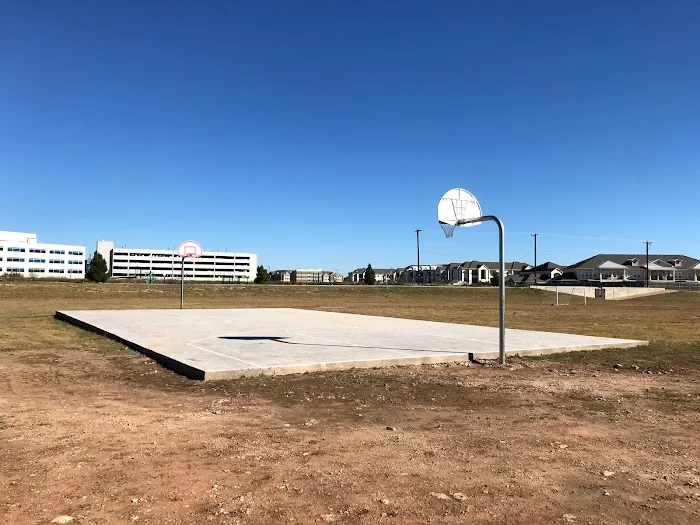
(22, 254)
(166, 264)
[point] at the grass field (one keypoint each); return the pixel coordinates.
(95, 431)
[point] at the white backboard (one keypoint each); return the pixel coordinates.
(458, 205)
(189, 249)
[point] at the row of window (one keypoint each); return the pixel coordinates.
(41, 270)
(41, 261)
(173, 255)
(41, 250)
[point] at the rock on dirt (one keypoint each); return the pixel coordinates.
(62, 519)
(439, 495)
(459, 496)
(329, 517)
(391, 428)
(608, 473)
(570, 518)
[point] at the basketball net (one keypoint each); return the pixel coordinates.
(449, 229)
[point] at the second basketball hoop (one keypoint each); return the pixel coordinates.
(189, 249)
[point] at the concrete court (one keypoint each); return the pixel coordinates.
(220, 344)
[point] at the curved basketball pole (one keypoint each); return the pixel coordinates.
(501, 282)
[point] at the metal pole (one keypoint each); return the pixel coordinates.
(647, 243)
(501, 283)
(418, 275)
(535, 237)
(182, 284)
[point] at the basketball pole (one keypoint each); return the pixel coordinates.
(182, 284)
(501, 282)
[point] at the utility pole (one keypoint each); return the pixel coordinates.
(418, 250)
(647, 243)
(534, 235)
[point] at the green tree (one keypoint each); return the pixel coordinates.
(262, 276)
(97, 269)
(370, 278)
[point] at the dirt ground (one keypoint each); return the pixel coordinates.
(91, 430)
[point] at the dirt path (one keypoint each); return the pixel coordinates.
(117, 439)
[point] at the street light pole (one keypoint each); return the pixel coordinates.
(534, 235)
(418, 275)
(647, 243)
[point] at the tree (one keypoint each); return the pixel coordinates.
(97, 269)
(262, 276)
(370, 278)
(494, 279)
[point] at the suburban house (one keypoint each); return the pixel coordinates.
(614, 267)
(425, 274)
(530, 275)
(381, 275)
(283, 276)
(479, 272)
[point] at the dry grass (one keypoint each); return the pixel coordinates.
(670, 321)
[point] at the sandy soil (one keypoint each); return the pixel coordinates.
(117, 439)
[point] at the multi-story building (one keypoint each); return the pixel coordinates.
(307, 276)
(22, 254)
(130, 263)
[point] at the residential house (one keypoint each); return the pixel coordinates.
(283, 276)
(381, 275)
(544, 272)
(614, 267)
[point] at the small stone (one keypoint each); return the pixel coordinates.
(62, 519)
(459, 496)
(134, 500)
(286, 425)
(569, 517)
(391, 428)
(485, 491)
(618, 365)
(636, 367)
(385, 501)
(384, 514)
(329, 517)
(608, 473)
(134, 518)
(439, 495)
(563, 446)
(606, 493)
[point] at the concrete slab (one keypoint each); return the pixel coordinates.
(220, 344)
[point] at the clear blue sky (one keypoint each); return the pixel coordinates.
(324, 133)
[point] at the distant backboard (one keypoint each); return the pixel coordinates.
(189, 249)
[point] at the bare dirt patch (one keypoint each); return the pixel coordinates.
(91, 430)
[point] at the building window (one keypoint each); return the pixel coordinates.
(15, 270)
(42, 261)
(15, 259)
(36, 250)
(55, 270)
(57, 252)
(36, 270)
(74, 271)
(75, 253)
(15, 250)
(75, 262)
(56, 261)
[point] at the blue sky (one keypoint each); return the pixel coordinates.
(324, 133)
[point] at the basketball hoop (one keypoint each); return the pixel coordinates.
(458, 207)
(189, 249)
(449, 229)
